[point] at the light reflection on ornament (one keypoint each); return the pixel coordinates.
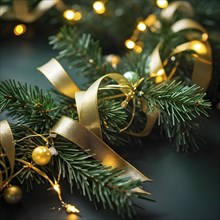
(69, 14)
(19, 29)
(129, 44)
(41, 155)
(99, 7)
(162, 3)
(12, 194)
(131, 76)
(199, 47)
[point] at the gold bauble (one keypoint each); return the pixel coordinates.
(12, 194)
(41, 155)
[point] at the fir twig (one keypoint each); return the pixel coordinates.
(81, 52)
(28, 105)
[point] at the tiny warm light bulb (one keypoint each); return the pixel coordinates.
(141, 26)
(19, 29)
(77, 16)
(129, 44)
(150, 20)
(71, 209)
(205, 37)
(99, 7)
(72, 216)
(162, 3)
(69, 14)
(137, 49)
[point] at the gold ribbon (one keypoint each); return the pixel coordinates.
(202, 71)
(168, 12)
(8, 145)
(87, 133)
(59, 78)
(87, 101)
(87, 140)
(20, 10)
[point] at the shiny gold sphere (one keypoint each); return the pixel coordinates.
(41, 155)
(13, 194)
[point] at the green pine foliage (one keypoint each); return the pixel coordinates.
(101, 184)
(179, 106)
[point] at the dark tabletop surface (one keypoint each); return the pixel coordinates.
(186, 186)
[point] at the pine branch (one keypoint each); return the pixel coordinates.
(179, 106)
(112, 118)
(28, 105)
(134, 62)
(82, 52)
(99, 183)
(179, 101)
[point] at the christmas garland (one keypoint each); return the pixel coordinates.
(70, 134)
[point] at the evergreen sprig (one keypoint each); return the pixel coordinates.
(178, 102)
(101, 184)
(180, 106)
(81, 51)
(28, 105)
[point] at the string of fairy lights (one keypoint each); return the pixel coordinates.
(99, 7)
(150, 23)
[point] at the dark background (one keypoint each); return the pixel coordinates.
(186, 186)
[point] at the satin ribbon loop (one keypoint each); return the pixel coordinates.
(168, 12)
(202, 71)
(55, 73)
(87, 140)
(8, 145)
(87, 103)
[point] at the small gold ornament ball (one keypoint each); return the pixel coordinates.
(41, 155)
(13, 194)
